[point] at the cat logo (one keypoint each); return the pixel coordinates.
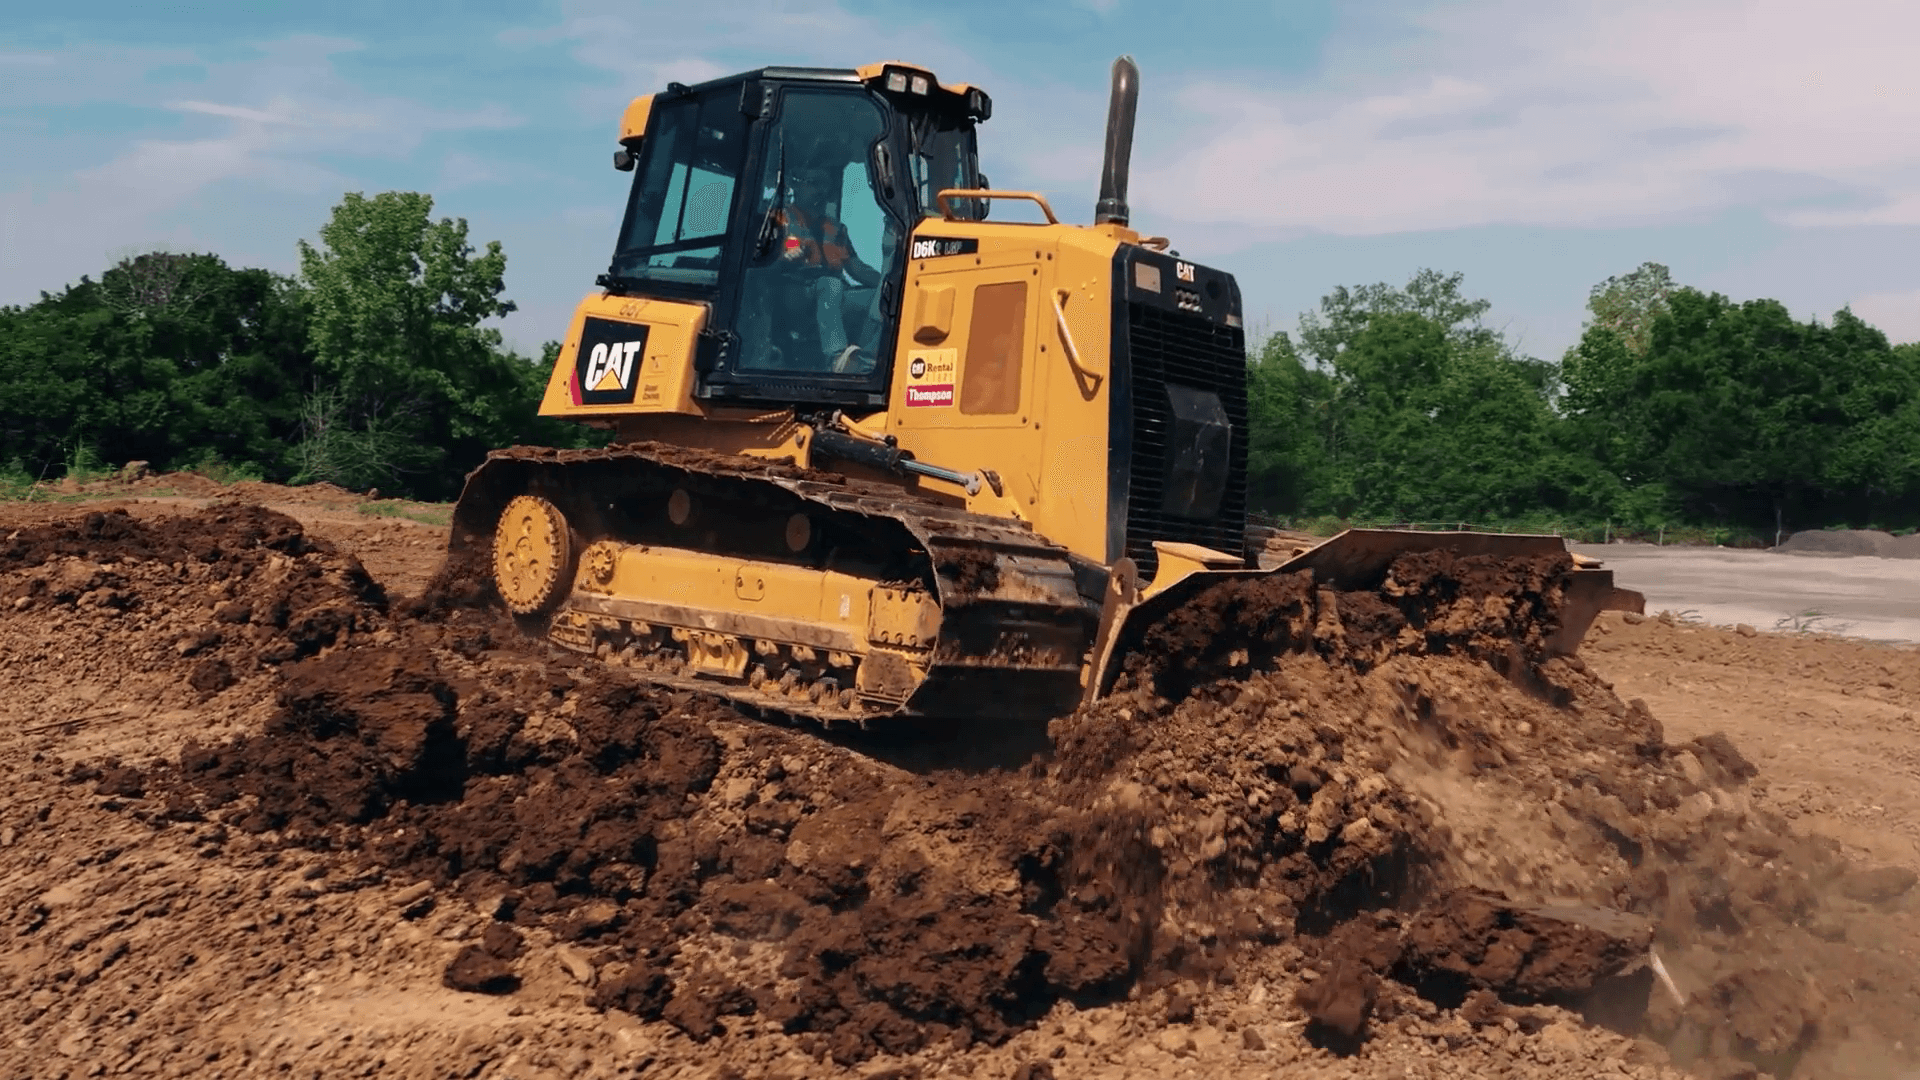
(606, 362)
(610, 367)
(1183, 271)
(918, 368)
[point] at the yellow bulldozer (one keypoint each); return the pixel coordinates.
(877, 458)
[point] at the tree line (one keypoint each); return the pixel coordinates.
(376, 366)
(372, 367)
(1676, 407)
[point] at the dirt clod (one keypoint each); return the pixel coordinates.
(1878, 886)
(476, 971)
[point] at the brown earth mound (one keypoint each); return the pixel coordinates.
(1395, 801)
(269, 592)
(1840, 542)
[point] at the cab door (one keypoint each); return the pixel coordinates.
(816, 168)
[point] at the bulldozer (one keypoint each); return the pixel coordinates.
(878, 456)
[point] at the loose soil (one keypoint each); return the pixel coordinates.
(270, 812)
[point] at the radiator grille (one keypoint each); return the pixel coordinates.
(1170, 347)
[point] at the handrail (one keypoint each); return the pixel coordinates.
(1081, 374)
(988, 193)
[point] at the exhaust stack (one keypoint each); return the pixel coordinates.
(1112, 207)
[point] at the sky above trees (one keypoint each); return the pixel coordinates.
(1757, 147)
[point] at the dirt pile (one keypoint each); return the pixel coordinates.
(1853, 542)
(268, 593)
(1513, 827)
(624, 824)
(616, 819)
(1366, 823)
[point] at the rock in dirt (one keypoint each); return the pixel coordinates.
(1524, 954)
(503, 942)
(415, 900)
(1886, 884)
(1725, 765)
(475, 971)
(1337, 1004)
(643, 990)
(576, 964)
(1772, 1014)
(211, 675)
(124, 781)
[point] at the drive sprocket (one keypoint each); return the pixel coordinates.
(532, 555)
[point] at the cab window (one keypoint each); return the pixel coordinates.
(683, 193)
(944, 157)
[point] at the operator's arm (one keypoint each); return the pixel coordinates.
(862, 273)
(857, 267)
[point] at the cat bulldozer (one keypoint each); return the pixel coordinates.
(878, 456)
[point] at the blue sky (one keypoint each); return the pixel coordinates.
(1758, 147)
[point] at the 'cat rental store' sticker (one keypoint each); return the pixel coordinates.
(930, 378)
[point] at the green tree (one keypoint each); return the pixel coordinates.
(1404, 405)
(1738, 413)
(1439, 426)
(1345, 312)
(1287, 407)
(399, 305)
(1628, 304)
(167, 358)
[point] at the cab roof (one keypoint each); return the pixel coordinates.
(905, 78)
(866, 73)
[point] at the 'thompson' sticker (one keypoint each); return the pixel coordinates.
(937, 247)
(607, 362)
(923, 395)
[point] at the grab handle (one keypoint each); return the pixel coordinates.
(1088, 379)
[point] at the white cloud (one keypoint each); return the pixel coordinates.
(1897, 314)
(231, 112)
(645, 46)
(1045, 133)
(1633, 112)
(269, 125)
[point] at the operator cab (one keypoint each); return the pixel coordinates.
(783, 199)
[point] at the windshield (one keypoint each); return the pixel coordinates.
(683, 192)
(944, 156)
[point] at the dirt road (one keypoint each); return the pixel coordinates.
(1859, 596)
(267, 816)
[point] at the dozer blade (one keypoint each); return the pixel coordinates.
(1355, 560)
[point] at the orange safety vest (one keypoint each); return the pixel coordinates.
(830, 248)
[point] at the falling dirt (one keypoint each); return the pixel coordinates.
(265, 818)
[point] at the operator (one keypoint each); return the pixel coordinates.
(817, 244)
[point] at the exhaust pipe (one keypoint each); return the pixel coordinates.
(1112, 207)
